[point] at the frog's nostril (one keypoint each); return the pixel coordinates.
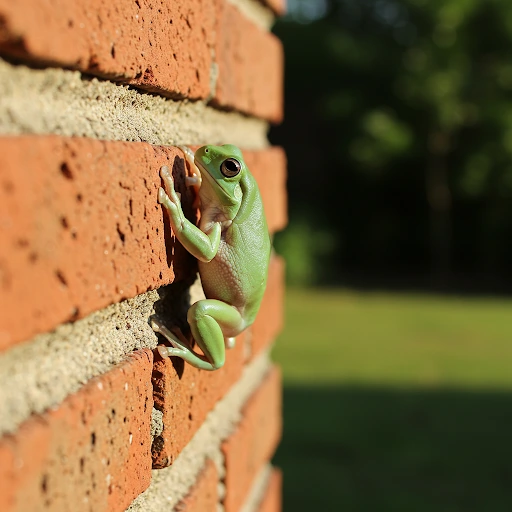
(206, 150)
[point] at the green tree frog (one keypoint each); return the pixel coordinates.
(232, 245)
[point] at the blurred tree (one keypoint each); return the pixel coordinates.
(398, 131)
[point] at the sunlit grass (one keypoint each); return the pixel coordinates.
(396, 339)
(396, 402)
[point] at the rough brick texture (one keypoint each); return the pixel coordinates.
(92, 453)
(250, 63)
(272, 499)
(164, 47)
(86, 230)
(254, 441)
(185, 394)
(203, 496)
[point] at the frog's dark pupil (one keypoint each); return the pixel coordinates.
(230, 167)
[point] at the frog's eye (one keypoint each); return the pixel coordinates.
(230, 167)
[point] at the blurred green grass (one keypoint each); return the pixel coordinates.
(396, 402)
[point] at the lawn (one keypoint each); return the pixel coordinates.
(396, 402)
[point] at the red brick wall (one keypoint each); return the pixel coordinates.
(94, 97)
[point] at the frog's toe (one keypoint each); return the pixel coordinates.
(165, 173)
(162, 196)
(189, 154)
(170, 351)
(155, 323)
(230, 342)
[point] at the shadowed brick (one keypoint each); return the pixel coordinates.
(90, 453)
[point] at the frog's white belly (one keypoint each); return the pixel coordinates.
(233, 279)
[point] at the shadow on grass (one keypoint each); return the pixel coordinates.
(371, 449)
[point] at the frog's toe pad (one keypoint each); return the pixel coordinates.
(155, 324)
(230, 342)
(162, 196)
(170, 351)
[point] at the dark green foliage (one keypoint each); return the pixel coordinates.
(399, 134)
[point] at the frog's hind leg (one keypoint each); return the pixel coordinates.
(209, 319)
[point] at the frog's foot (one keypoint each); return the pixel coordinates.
(229, 342)
(171, 199)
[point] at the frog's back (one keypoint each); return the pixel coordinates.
(238, 273)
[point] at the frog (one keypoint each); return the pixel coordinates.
(232, 245)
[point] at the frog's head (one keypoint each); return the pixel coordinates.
(222, 168)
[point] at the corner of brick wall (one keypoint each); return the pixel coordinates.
(91, 417)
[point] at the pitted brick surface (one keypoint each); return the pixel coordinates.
(81, 227)
(250, 65)
(92, 453)
(164, 47)
(185, 395)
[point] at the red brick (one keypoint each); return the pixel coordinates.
(81, 227)
(185, 395)
(203, 497)
(91, 453)
(269, 321)
(254, 440)
(163, 47)
(272, 499)
(250, 63)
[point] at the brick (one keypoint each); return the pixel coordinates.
(203, 496)
(250, 64)
(272, 498)
(81, 228)
(163, 47)
(90, 453)
(269, 321)
(185, 395)
(254, 440)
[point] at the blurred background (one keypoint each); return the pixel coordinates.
(397, 353)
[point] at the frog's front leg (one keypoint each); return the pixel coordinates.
(202, 245)
(210, 320)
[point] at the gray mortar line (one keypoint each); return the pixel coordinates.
(62, 102)
(258, 13)
(170, 485)
(41, 372)
(257, 492)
